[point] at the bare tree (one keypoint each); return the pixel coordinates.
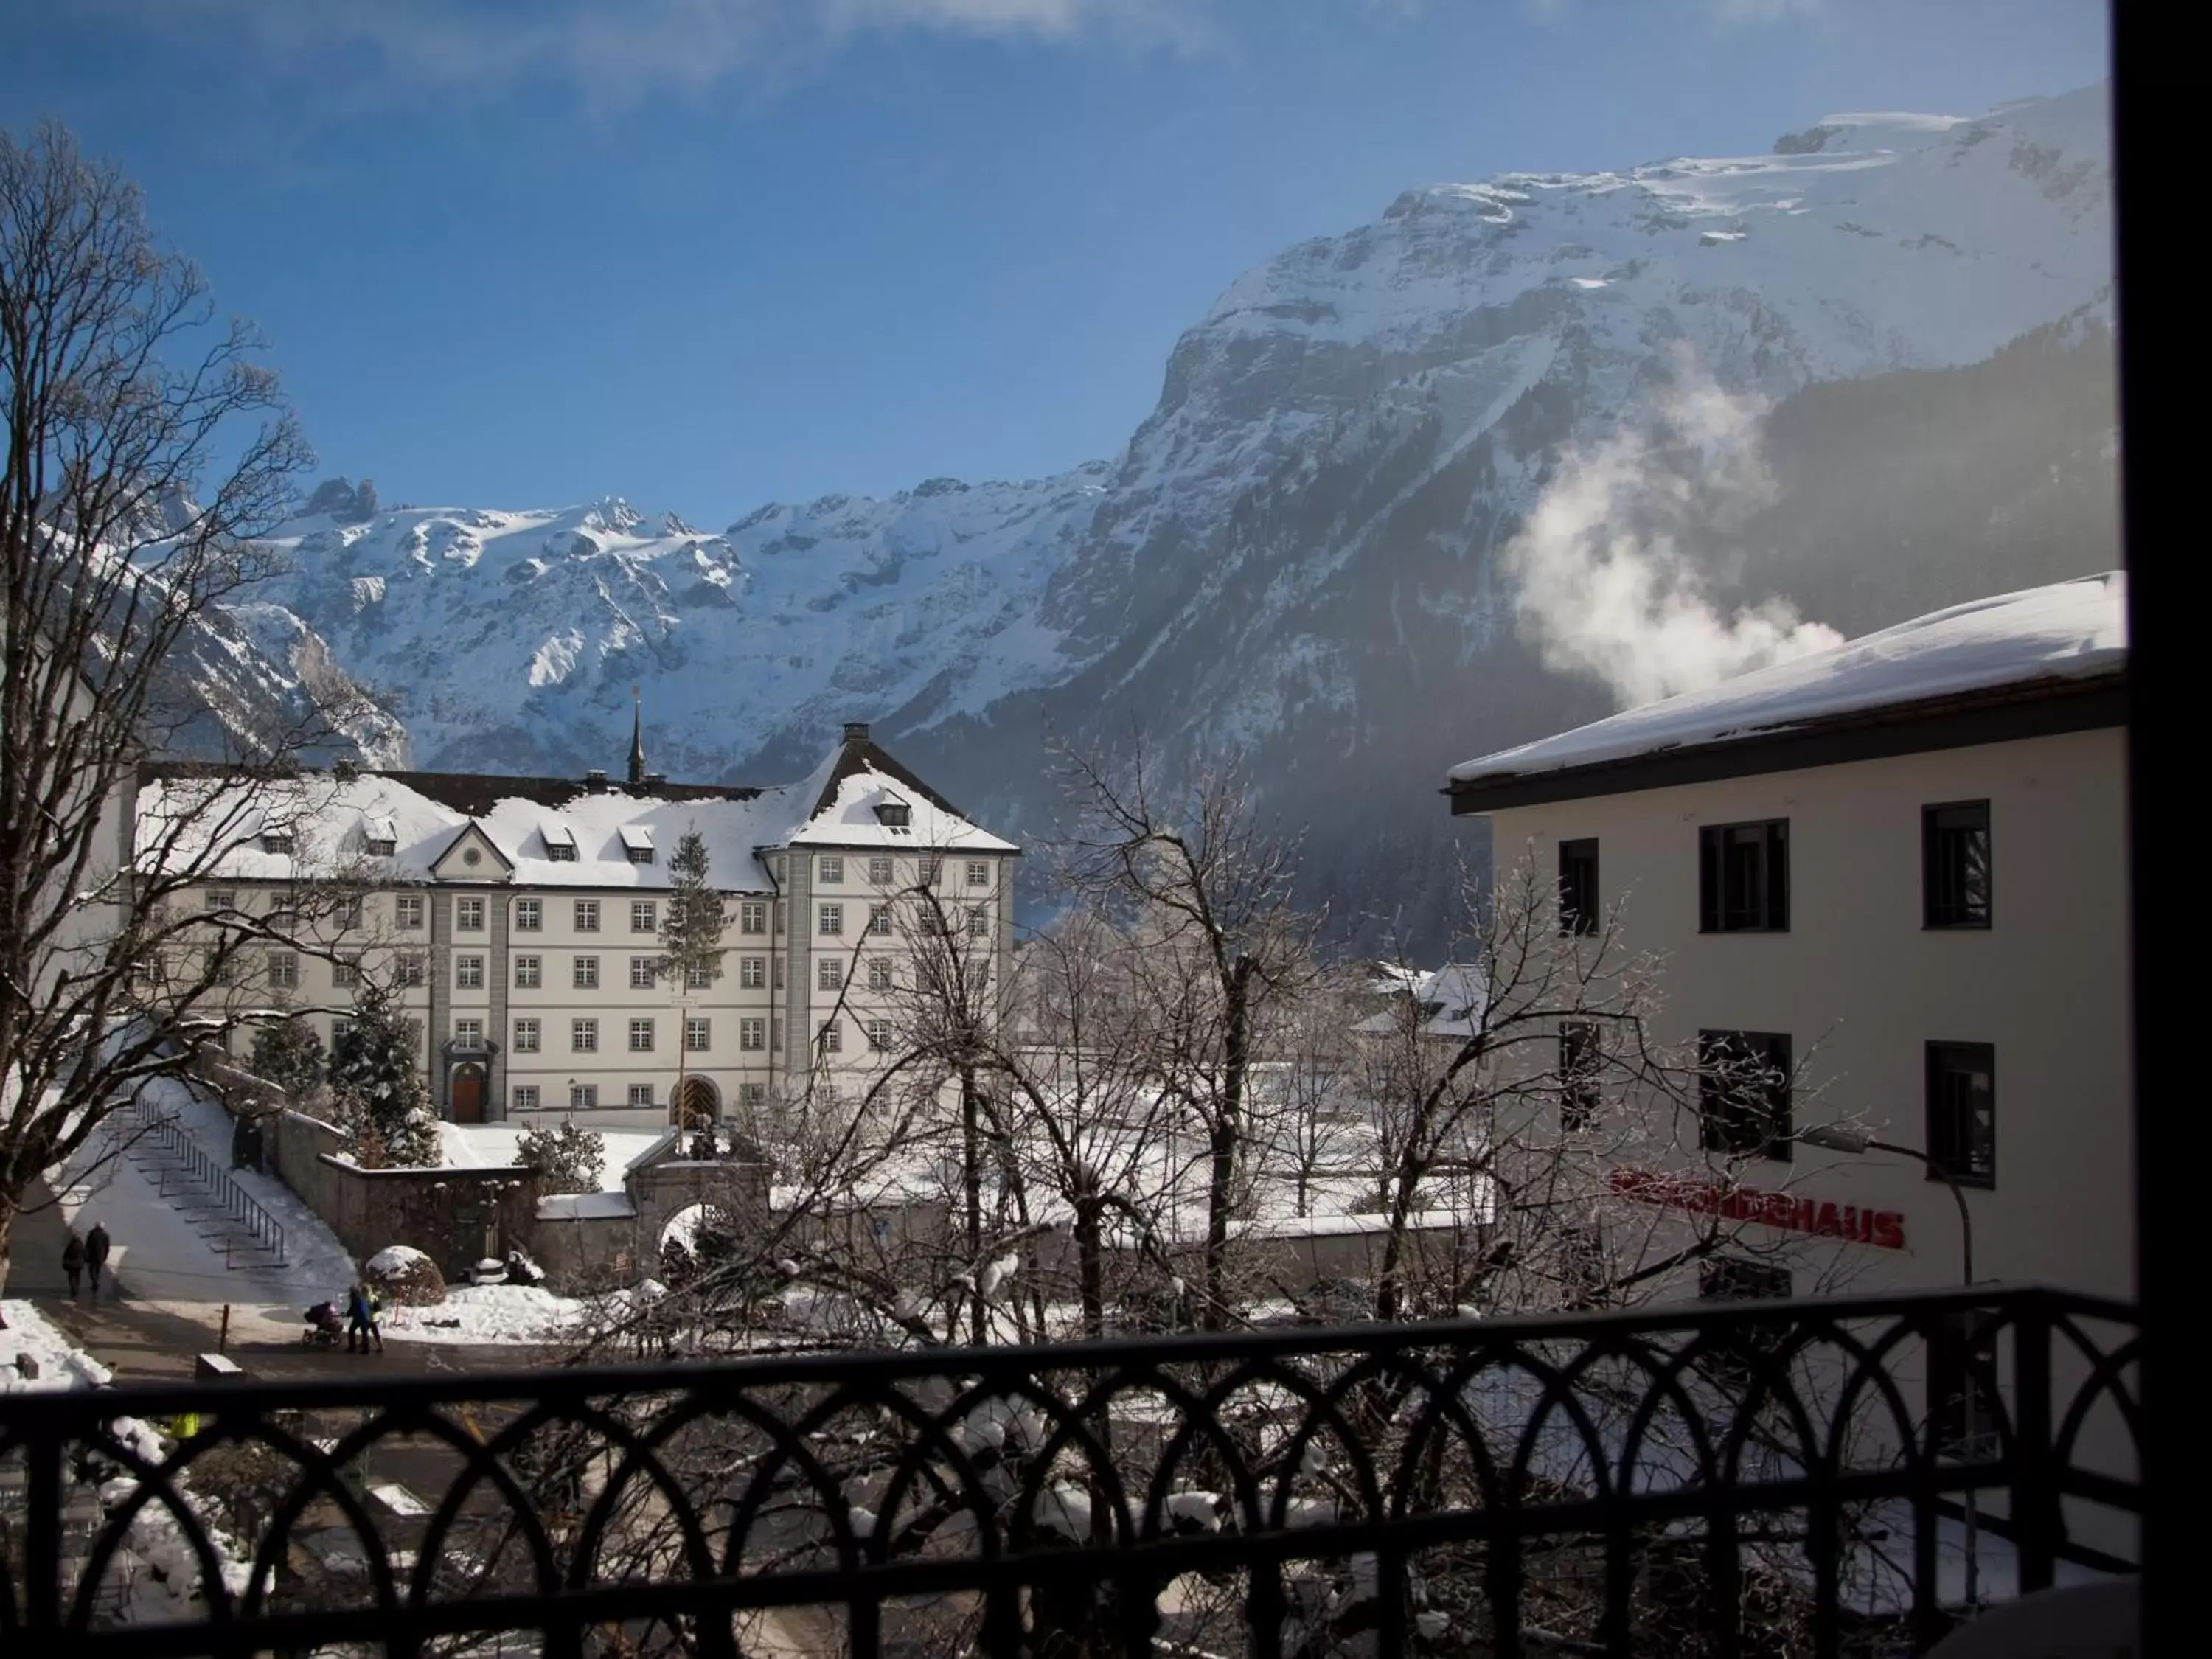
(147, 447)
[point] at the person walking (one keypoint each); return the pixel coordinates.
(361, 1320)
(95, 1254)
(73, 1262)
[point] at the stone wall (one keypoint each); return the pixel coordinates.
(453, 1216)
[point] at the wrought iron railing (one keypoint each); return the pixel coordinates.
(1709, 1478)
(157, 1130)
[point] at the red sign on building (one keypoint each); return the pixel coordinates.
(1823, 1218)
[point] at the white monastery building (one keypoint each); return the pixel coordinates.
(520, 921)
(1897, 871)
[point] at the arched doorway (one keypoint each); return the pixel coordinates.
(698, 1098)
(468, 1093)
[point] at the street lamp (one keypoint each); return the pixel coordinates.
(1841, 1138)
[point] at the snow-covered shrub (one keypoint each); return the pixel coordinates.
(290, 1056)
(403, 1274)
(567, 1158)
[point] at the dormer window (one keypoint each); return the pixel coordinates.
(560, 843)
(276, 841)
(637, 841)
(383, 838)
(893, 813)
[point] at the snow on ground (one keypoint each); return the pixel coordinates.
(59, 1364)
(2067, 630)
(483, 1313)
(493, 1145)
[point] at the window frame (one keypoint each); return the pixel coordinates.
(698, 1034)
(829, 920)
(407, 912)
(752, 1035)
(1579, 895)
(752, 972)
(1582, 1055)
(1722, 1121)
(583, 972)
(585, 915)
(829, 973)
(880, 871)
(468, 914)
(529, 915)
(583, 1035)
(583, 1096)
(469, 972)
(752, 918)
(1715, 842)
(644, 915)
(523, 1098)
(641, 1034)
(526, 1036)
(641, 975)
(1952, 914)
(829, 870)
(529, 973)
(1943, 1137)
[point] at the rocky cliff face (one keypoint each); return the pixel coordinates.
(1303, 560)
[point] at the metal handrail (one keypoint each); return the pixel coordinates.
(241, 1206)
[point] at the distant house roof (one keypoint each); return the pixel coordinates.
(331, 816)
(1452, 1000)
(2021, 665)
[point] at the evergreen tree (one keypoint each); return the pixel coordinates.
(383, 1108)
(290, 1056)
(570, 1159)
(690, 936)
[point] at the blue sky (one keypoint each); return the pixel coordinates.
(705, 253)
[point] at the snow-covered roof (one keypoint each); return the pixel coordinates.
(1453, 998)
(2069, 631)
(331, 817)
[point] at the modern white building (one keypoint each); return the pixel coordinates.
(1898, 870)
(520, 921)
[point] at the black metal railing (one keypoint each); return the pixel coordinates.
(190, 1166)
(1706, 1479)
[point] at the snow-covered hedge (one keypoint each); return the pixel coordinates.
(404, 1274)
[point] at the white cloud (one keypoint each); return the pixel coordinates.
(1606, 585)
(617, 51)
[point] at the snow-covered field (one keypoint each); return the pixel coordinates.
(481, 1146)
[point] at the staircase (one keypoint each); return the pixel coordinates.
(223, 1213)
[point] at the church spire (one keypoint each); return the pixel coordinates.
(636, 736)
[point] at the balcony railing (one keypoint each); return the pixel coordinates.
(1751, 1478)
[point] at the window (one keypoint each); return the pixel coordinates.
(893, 814)
(775, 1033)
(1962, 1113)
(529, 915)
(529, 973)
(1578, 900)
(641, 977)
(775, 973)
(468, 915)
(780, 908)
(407, 912)
(829, 973)
(879, 1034)
(382, 847)
(1743, 1092)
(1744, 1352)
(698, 1034)
(752, 972)
(560, 852)
(752, 1035)
(583, 1096)
(347, 914)
(524, 1097)
(979, 922)
(753, 1094)
(925, 869)
(1743, 878)
(829, 920)
(880, 920)
(276, 841)
(468, 1034)
(1962, 1383)
(830, 871)
(1954, 865)
(752, 917)
(340, 1030)
(644, 915)
(641, 1036)
(639, 854)
(879, 974)
(584, 1035)
(283, 970)
(585, 974)
(879, 872)
(345, 972)
(222, 898)
(526, 1036)
(641, 1094)
(222, 969)
(468, 973)
(587, 915)
(1579, 1059)
(979, 873)
(409, 970)
(699, 976)
(830, 1040)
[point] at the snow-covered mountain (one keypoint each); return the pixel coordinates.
(1296, 557)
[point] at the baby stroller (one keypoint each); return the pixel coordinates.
(325, 1325)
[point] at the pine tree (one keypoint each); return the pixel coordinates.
(385, 1109)
(290, 1056)
(570, 1159)
(690, 936)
